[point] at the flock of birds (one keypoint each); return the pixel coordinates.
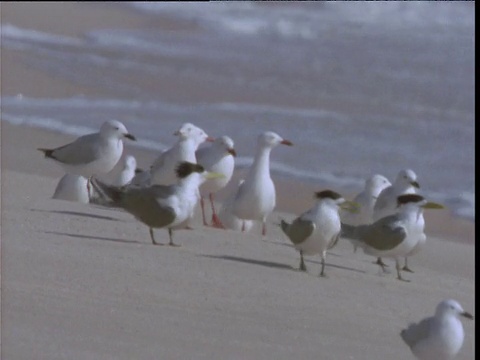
(385, 220)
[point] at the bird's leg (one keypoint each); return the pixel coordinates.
(355, 248)
(322, 272)
(243, 226)
(215, 220)
(202, 204)
(264, 228)
(399, 276)
(406, 268)
(89, 180)
(153, 238)
(381, 263)
(302, 266)
(170, 234)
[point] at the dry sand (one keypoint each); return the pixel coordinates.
(84, 282)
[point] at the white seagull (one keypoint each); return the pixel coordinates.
(72, 187)
(218, 158)
(396, 235)
(386, 204)
(128, 171)
(366, 201)
(189, 138)
(228, 219)
(161, 206)
(92, 154)
(255, 198)
(318, 229)
(439, 337)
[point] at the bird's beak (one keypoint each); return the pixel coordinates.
(177, 133)
(286, 142)
(214, 175)
(138, 170)
(350, 206)
(467, 315)
(433, 205)
(415, 184)
(232, 152)
(210, 139)
(130, 136)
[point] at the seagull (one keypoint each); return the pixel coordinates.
(386, 204)
(438, 337)
(255, 198)
(395, 235)
(366, 200)
(226, 216)
(318, 229)
(219, 158)
(92, 154)
(72, 187)
(189, 138)
(161, 206)
(128, 172)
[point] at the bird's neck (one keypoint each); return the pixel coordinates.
(187, 148)
(261, 163)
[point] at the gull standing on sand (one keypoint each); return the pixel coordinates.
(366, 200)
(228, 219)
(92, 154)
(386, 204)
(128, 171)
(439, 337)
(189, 138)
(72, 187)
(255, 198)
(161, 206)
(396, 235)
(218, 158)
(318, 229)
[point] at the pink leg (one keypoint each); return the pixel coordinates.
(203, 211)
(88, 188)
(243, 226)
(215, 220)
(264, 229)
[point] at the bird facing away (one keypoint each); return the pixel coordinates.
(72, 188)
(439, 337)
(228, 219)
(93, 154)
(396, 235)
(161, 206)
(218, 158)
(386, 204)
(318, 229)
(128, 171)
(163, 168)
(255, 198)
(366, 201)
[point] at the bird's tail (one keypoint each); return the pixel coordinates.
(112, 192)
(284, 226)
(46, 152)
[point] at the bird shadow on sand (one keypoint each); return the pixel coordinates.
(276, 242)
(328, 265)
(78, 213)
(269, 264)
(91, 237)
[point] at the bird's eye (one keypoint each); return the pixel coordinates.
(117, 128)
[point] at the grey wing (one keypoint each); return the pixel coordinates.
(147, 205)
(299, 230)
(382, 200)
(384, 234)
(81, 151)
(159, 161)
(416, 332)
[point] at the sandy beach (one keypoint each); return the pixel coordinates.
(80, 281)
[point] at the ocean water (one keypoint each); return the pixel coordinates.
(358, 87)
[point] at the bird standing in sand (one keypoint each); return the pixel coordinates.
(318, 229)
(93, 154)
(439, 337)
(396, 235)
(386, 204)
(219, 157)
(255, 198)
(161, 206)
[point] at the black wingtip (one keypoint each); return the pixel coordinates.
(46, 152)
(186, 168)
